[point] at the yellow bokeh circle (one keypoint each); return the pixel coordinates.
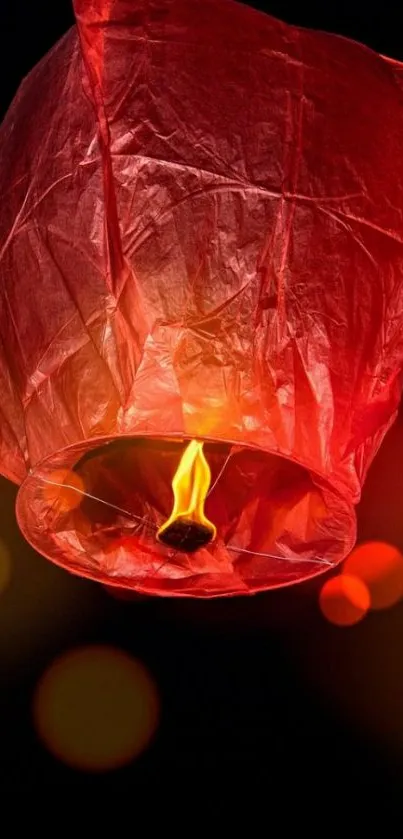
(96, 708)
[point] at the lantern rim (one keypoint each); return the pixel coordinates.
(71, 456)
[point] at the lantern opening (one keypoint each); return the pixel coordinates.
(188, 528)
(273, 518)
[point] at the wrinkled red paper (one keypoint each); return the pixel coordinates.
(200, 236)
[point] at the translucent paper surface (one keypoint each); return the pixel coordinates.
(201, 236)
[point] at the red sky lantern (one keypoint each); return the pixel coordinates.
(201, 294)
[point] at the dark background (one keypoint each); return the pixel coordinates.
(259, 688)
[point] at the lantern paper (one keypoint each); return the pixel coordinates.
(201, 237)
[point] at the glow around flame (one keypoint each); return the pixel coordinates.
(190, 486)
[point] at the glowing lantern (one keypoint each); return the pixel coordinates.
(201, 294)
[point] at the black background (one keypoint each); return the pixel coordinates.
(259, 688)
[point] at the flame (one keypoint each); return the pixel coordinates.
(190, 486)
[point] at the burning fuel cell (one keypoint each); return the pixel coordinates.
(188, 528)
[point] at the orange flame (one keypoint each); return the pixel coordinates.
(190, 486)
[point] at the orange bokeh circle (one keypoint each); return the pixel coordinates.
(96, 708)
(344, 600)
(63, 490)
(380, 567)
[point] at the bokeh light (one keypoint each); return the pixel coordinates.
(5, 567)
(64, 490)
(380, 567)
(96, 708)
(344, 600)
